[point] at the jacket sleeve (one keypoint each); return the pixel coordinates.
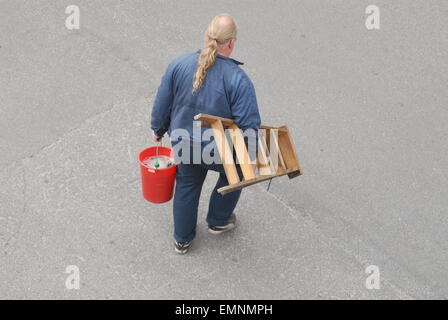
(245, 112)
(161, 111)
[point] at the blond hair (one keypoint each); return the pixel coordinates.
(219, 31)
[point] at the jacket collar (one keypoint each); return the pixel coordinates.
(225, 58)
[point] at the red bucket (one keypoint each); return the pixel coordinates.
(157, 184)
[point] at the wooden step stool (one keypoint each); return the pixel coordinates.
(275, 141)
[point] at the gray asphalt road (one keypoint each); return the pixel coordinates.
(368, 112)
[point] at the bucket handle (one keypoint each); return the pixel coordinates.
(154, 170)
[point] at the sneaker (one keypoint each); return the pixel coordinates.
(181, 247)
(221, 229)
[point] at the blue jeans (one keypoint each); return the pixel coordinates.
(189, 181)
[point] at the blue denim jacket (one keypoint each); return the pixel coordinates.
(226, 92)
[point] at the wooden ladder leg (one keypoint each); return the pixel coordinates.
(273, 152)
(241, 152)
(264, 165)
(275, 148)
(225, 152)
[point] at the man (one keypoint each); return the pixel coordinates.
(207, 81)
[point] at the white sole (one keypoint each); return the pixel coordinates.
(221, 231)
(182, 251)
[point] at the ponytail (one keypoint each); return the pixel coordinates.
(206, 59)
